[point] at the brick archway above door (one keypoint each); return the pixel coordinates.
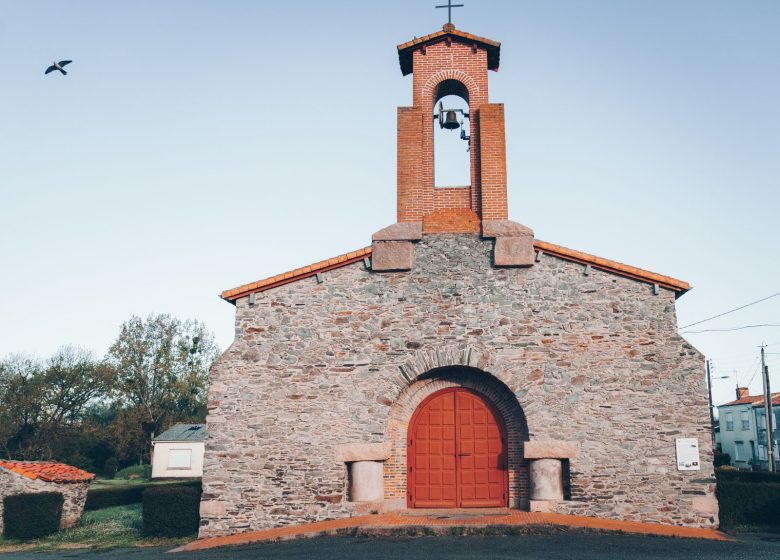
(457, 452)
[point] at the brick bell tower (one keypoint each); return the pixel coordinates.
(451, 62)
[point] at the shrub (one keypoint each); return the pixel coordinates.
(135, 472)
(171, 511)
(110, 467)
(30, 516)
(736, 475)
(110, 496)
(748, 503)
(721, 459)
(99, 498)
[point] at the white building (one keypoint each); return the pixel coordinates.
(743, 429)
(178, 452)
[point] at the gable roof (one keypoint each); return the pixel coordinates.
(755, 400)
(406, 50)
(614, 267)
(47, 471)
(183, 432)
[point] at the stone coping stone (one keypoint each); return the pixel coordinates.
(514, 251)
(505, 228)
(550, 449)
(402, 231)
(389, 256)
(352, 452)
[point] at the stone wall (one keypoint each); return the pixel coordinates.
(74, 495)
(594, 359)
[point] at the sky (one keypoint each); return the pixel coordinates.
(196, 146)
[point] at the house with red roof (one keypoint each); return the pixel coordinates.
(31, 477)
(743, 430)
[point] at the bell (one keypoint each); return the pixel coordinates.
(451, 121)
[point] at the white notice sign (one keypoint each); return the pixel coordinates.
(687, 454)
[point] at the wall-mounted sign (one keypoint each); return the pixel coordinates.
(687, 454)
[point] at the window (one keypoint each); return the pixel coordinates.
(180, 459)
(762, 453)
(745, 420)
(739, 451)
(761, 420)
(729, 422)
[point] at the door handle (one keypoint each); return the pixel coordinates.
(464, 454)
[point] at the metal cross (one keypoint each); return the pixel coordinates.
(449, 7)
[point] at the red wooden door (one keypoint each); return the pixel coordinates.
(456, 453)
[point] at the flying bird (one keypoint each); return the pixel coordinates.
(58, 66)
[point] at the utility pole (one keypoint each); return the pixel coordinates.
(709, 398)
(768, 414)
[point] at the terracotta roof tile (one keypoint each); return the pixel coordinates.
(405, 50)
(755, 400)
(612, 266)
(297, 274)
(47, 471)
(607, 265)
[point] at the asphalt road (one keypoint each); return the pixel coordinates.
(564, 546)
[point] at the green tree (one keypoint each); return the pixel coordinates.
(43, 404)
(162, 368)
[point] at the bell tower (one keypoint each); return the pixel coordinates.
(446, 63)
(450, 62)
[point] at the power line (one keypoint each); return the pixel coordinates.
(731, 329)
(731, 311)
(758, 359)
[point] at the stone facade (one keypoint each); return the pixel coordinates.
(565, 356)
(74, 494)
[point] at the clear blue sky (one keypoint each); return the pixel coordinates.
(198, 145)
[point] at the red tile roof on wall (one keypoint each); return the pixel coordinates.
(755, 400)
(613, 267)
(405, 50)
(47, 471)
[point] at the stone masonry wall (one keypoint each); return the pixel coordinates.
(74, 495)
(594, 359)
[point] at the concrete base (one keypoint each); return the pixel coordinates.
(546, 479)
(541, 506)
(366, 481)
(545, 449)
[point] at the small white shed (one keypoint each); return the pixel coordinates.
(178, 452)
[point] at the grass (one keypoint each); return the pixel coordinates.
(135, 472)
(104, 528)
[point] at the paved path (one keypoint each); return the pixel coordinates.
(558, 545)
(442, 519)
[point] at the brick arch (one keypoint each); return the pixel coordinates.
(429, 88)
(443, 377)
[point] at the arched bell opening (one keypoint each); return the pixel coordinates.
(451, 135)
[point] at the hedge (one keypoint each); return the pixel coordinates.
(171, 511)
(748, 503)
(30, 516)
(110, 496)
(746, 476)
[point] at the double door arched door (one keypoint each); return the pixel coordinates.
(456, 452)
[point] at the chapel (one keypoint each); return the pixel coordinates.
(457, 361)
